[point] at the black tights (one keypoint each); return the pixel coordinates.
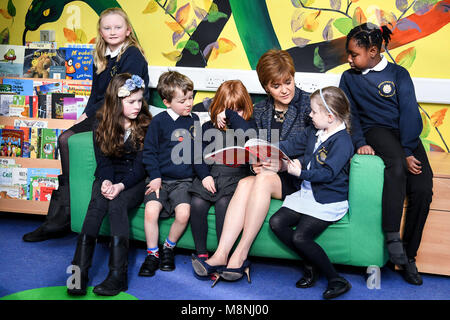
(301, 240)
(199, 222)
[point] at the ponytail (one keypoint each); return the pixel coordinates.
(369, 34)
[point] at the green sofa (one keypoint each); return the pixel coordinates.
(356, 240)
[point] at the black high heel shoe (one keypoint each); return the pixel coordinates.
(234, 274)
(201, 268)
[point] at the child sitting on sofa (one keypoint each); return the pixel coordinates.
(323, 180)
(169, 180)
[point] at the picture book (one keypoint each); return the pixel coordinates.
(34, 143)
(19, 179)
(41, 187)
(11, 142)
(48, 143)
(22, 87)
(79, 63)
(254, 151)
(5, 88)
(79, 88)
(58, 104)
(20, 106)
(48, 88)
(37, 62)
(9, 192)
(71, 107)
(57, 72)
(11, 60)
(5, 101)
(43, 173)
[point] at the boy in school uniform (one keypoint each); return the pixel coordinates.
(169, 176)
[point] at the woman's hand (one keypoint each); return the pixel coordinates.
(414, 165)
(366, 150)
(154, 186)
(221, 120)
(208, 184)
(294, 167)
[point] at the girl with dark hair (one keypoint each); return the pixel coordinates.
(386, 122)
(119, 183)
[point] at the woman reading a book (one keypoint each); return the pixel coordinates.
(283, 114)
(116, 51)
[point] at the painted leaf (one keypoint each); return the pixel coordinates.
(421, 7)
(318, 61)
(171, 7)
(437, 118)
(435, 147)
(182, 14)
(327, 32)
(92, 40)
(401, 4)
(4, 36)
(173, 55)
(214, 13)
(359, 17)
(214, 54)
(81, 36)
(5, 14)
(426, 126)
(176, 36)
(300, 42)
(11, 8)
(190, 45)
(406, 24)
(297, 20)
(336, 4)
(151, 7)
(70, 35)
(312, 21)
(208, 49)
(296, 3)
(344, 25)
(225, 45)
(174, 26)
(406, 57)
(385, 18)
(199, 12)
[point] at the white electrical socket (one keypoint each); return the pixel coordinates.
(214, 81)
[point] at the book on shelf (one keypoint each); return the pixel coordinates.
(22, 87)
(48, 140)
(11, 60)
(43, 173)
(71, 106)
(58, 104)
(5, 101)
(41, 187)
(79, 63)
(48, 88)
(37, 62)
(57, 72)
(11, 142)
(13, 180)
(254, 151)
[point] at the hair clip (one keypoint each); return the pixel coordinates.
(131, 84)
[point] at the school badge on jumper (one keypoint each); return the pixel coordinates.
(179, 134)
(321, 155)
(386, 89)
(192, 131)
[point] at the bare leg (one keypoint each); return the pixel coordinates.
(182, 212)
(234, 221)
(267, 185)
(151, 227)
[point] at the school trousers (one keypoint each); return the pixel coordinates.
(400, 183)
(117, 209)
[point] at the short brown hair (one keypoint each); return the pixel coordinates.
(274, 65)
(233, 95)
(337, 101)
(171, 80)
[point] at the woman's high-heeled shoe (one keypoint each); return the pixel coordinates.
(233, 274)
(201, 268)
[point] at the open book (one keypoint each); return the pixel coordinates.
(254, 151)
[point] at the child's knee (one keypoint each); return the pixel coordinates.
(182, 213)
(152, 210)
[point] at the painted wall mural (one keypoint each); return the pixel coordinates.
(232, 34)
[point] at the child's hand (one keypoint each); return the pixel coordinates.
(221, 120)
(414, 165)
(208, 184)
(154, 186)
(366, 150)
(106, 187)
(115, 190)
(294, 167)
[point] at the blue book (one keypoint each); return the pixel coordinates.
(22, 87)
(79, 63)
(40, 172)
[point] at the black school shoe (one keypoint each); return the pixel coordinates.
(149, 267)
(336, 287)
(167, 257)
(411, 274)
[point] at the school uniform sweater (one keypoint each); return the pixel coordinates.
(131, 61)
(329, 164)
(383, 98)
(158, 146)
(127, 169)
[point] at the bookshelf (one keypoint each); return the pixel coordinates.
(32, 206)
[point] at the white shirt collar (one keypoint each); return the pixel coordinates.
(174, 115)
(114, 53)
(322, 136)
(379, 67)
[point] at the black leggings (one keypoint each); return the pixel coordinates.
(117, 209)
(301, 240)
(199, 222)
(63, 143)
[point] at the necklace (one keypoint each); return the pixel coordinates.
(278, 115)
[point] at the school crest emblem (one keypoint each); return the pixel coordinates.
(321, 155)
(386, 89)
